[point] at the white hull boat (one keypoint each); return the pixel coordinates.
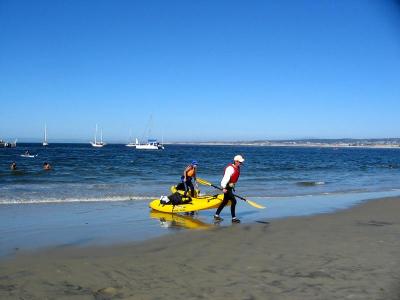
(45, 143)
(29, 155)
(97, 144)
(151, 145)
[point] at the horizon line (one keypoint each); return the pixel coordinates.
(116, 142)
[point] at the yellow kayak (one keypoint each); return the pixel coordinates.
(196, 203)
(175, 220)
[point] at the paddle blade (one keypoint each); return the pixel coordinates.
(256, 205)
(203, 182)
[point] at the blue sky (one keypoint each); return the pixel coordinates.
(205, 70)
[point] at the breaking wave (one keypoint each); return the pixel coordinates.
(72, 200)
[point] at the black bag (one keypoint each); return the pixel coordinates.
(175, 198)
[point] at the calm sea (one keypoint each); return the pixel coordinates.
(117, 172)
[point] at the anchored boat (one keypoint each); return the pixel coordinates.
(45, 142)
(96, 143)
(152, 144)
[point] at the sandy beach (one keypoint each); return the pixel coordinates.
(351, 254)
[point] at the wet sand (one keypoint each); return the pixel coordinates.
(351, 254)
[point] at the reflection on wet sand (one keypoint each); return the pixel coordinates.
(168, 220)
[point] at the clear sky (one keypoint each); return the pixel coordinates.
(205, 70)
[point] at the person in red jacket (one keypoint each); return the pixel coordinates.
(231, 176)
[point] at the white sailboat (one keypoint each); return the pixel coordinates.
(131, 144)
(151, 144)
(45, 143)
(96, 143)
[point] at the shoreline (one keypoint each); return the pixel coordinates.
(351, 253)
(45, 225)
(273, 145)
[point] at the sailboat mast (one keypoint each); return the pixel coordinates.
(95, 136)
(150, 126)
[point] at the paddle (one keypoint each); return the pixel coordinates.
(252, 203)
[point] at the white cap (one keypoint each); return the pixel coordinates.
(238, 158)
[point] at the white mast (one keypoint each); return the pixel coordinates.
(45, 143)
(95, 136)
(95, 143)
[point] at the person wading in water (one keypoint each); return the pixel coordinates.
(188, 175)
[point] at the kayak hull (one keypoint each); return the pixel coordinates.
(200, 203)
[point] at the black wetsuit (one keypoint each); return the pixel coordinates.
(188, 185)
(228, 196)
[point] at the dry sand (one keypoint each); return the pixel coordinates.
(351, 254)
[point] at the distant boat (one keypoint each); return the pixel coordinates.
(45, 143)
(151, 144)
(4, 144)
(131, 144)
(28, 155)
(96, 143)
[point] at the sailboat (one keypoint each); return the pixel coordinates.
(96, 143)
(131, 144)
(152, 144)
(45, 143)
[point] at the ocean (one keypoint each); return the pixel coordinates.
(100, 196)
(119, 173)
